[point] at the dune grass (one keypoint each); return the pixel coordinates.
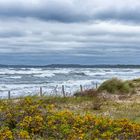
(117, 86)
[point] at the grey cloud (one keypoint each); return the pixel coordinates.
(36, 36)
(11, 33)
(61, 11)
(72, 11)
(121, 15)
(26, 27)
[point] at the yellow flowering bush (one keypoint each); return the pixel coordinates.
(6, 134)
(34, 118)
(23, 134)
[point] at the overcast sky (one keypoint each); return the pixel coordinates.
(69, 31)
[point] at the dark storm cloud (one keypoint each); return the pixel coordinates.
(62, 11)
(72, 10)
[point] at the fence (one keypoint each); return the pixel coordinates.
(63, 93)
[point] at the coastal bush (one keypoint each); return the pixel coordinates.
(31, 118)
(88, 92)
(116, 86)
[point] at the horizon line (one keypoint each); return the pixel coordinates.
(75, 65)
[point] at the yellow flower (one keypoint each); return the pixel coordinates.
(24, 134)
(6, 134)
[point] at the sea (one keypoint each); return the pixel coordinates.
(24, 81)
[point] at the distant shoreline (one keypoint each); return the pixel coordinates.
(70, 66)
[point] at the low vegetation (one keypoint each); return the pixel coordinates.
(49, 118)
(117, 86)
(86, 116)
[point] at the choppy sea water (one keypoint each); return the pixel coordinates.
(27, 81)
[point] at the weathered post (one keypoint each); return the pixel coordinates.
(81, 88)
(9, 95)
(55, 90)
(96, 85)
(63, 91)
(41, 93)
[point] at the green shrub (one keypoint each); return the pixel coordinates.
(35, 119)
(116, 86)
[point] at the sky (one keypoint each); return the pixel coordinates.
(41, 32)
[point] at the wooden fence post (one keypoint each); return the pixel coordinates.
(96, 85)
(41, 91)
(63, 91)
(9, 95)
(81, 88)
